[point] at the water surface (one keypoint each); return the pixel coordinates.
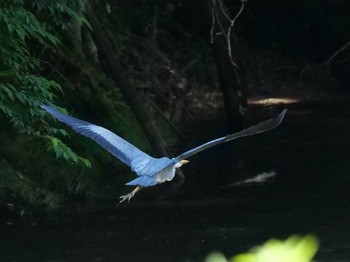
(309, 194)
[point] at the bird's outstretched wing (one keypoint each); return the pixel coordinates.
(256, 129)
(118, 147)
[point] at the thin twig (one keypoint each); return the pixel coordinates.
(229, 32)
(183, 70)
(212, 22)
(224, 12)
(216, 20)
(337, 53)
(325, 64)
(175, 129)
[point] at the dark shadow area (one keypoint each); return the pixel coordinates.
(309, 153)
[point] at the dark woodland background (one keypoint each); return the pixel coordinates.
(165, 75)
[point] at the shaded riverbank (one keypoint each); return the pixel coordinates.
(309, 194)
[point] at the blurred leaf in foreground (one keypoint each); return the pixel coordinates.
(294, 249)
(215, 257)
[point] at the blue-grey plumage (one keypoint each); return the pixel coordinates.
(253, 130)
(139, 162)
(151, 171)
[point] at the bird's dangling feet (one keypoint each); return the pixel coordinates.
(129, 195)
(126, 197)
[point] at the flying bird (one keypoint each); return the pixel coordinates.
(150, 171)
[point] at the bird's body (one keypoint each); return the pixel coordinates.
(151, 171)
(159, 171)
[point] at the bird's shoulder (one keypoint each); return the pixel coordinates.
(154, 165)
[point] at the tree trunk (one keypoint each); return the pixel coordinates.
(232, 85)
(232, 77)
(137, 103)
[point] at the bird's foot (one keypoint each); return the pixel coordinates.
(126, 197)
(129, 196)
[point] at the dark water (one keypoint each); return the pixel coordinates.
(310, 194)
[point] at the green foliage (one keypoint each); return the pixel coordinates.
(215, 257)
(22, 89)
(293, 249)
(14, 186)
(62, 12)
(17, 26)
(63, 151)
(49, 57)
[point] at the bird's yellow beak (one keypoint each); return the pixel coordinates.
(184, 161)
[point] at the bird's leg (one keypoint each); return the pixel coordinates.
(130, 195)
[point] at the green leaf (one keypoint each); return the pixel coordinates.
(215, 257)
(54, 142)
(11, 28)
(21, 33)
(7, 73)
(294, 249)
(63, 151)
(85, 162)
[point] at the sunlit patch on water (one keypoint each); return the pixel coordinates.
(272, 101)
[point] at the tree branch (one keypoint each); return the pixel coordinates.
(215, 20)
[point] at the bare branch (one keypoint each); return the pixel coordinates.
(212, 21)
(337, 52)
(326, 64)
(224, 12)
(229, 32)
(215, 20)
